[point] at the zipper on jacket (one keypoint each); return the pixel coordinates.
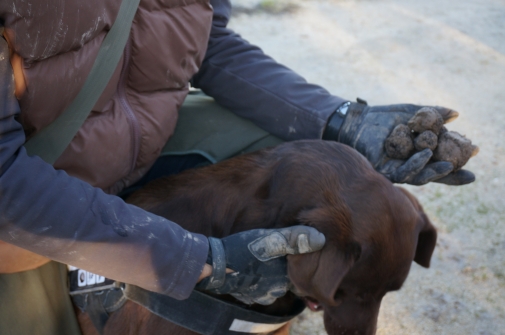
(130, 115)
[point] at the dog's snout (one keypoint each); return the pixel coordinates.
(351, 317)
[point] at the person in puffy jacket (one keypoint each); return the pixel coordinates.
(55, 212)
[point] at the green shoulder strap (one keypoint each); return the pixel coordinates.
(51, 141)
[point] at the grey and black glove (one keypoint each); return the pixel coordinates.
(258, 260)
(366, 129)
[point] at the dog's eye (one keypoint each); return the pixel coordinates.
(339, 296)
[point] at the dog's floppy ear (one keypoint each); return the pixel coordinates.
(425, 242)
(319, 274)
(427, 239)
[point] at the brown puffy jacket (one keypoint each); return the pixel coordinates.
(58, 41)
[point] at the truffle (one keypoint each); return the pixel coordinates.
(455, 148)
(427, 118)
(426, 139)
(399, 144)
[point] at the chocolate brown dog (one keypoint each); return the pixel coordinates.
(373, 230)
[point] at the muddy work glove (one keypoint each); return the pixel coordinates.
(258, 259)
(367, 130)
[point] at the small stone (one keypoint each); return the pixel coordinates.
(455, 148)
(426, 139)
(399, 144)
(427, 118)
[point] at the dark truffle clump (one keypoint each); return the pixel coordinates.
(399, 144)
(427, 118)
(425, 130)
(426, 139)
(455, 148)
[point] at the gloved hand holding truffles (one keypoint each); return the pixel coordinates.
(406, 143)
(425, 130)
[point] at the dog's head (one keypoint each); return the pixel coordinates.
(373, 231)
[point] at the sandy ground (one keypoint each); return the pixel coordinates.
(445, 52)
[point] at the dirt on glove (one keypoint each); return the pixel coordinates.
(426, 130)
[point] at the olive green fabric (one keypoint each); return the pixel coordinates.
(208, 129)
(36, 302)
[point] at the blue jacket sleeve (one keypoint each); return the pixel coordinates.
(65, 219)
(240, 77)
